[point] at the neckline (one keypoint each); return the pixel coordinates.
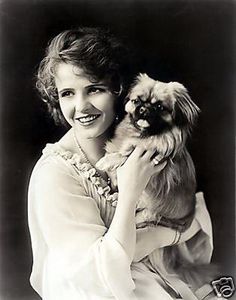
(108, 181)
(84, 167)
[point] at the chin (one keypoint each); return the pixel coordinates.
(159, 116)
(93, 132)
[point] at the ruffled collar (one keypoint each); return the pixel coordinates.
(88, 171)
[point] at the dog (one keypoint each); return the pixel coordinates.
(159, 116)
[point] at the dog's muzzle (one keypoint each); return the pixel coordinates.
(143, 112)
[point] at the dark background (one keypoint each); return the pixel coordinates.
(187, 41)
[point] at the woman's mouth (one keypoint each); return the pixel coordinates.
(87, 120)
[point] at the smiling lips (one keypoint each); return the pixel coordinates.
(88, 119)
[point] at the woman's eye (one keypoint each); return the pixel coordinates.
(95, 90)
(66, 94)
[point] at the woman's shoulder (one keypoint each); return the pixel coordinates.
(56, 150)
(57, 161)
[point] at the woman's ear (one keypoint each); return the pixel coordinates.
(118, 92)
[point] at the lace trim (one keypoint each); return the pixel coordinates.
(86, 169)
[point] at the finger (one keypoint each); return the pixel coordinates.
(149, 154)
(160, 166)
(138, 151)
(158, 159)
(135, 154)
(156, 153)
(127, 150)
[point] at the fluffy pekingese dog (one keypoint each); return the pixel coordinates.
(159, 116)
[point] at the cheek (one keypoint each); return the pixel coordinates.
(107, 106)
(67, 109)
(110, 112)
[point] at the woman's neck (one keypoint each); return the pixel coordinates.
(92, 147)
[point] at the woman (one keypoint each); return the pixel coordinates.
(84, 239)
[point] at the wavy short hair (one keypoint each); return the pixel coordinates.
(97, 51)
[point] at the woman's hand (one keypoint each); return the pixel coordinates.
(133, 176)
(132, 179)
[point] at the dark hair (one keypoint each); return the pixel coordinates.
(97, 51)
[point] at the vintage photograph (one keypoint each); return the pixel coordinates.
(117, 149)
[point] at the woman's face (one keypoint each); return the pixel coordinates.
(87, 106)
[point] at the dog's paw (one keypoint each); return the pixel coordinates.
(143, 215)
(102, 164)
(139, 218)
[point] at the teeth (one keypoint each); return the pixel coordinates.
(87, 118)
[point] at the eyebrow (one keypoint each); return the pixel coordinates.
(65, 89)
(97, 84)
(87, 86)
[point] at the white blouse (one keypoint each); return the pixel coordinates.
(74, 257)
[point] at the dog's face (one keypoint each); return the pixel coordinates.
(155, 107)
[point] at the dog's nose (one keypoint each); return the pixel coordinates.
(142, 110)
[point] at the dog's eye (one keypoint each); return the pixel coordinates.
(136, 101)
(160, 107)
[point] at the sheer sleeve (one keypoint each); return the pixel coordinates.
(199, 248)
(78, 250)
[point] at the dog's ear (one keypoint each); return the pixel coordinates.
(185, 111)
(128, 105)
(142, 77)
(126, 99)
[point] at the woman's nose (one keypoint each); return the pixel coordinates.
(81, 102)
